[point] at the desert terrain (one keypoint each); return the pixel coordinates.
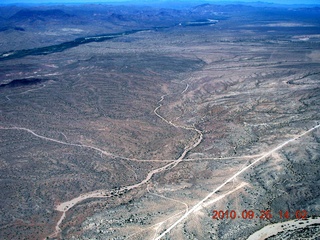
(139, 122)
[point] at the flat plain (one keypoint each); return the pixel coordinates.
(109, 133)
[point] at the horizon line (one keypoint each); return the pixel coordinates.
(161, 2)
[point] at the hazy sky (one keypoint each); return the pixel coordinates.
(146, 1)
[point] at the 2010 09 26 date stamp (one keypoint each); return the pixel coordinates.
(262, 214)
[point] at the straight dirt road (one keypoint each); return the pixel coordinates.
(198, 205)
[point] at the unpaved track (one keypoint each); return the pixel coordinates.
(198, 205)
(65, 206)
(103, 152)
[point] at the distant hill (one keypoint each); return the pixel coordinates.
(205, 8)
(27, 14)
